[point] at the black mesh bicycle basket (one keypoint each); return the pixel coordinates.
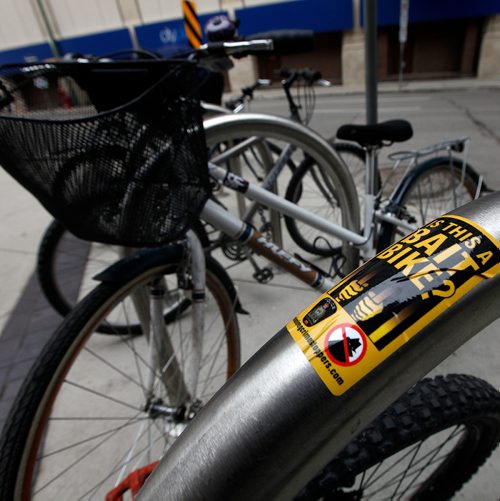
(114, 150)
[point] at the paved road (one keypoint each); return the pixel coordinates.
(434, 115)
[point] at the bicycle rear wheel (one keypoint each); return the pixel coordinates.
(355, 157)
(430, 190)
(313, 191)
(95, 408)
(426, 445)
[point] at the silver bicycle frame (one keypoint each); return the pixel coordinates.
(282, 205)
(237, 229)
(275, 424)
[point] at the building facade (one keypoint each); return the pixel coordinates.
(448, 38)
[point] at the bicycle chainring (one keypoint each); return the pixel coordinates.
(234, 251)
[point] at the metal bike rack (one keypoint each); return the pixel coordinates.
(275, 424)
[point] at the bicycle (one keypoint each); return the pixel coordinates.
(61, 256)
(427, 187)
(169, 402)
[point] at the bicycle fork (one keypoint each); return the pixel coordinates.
(150, 303)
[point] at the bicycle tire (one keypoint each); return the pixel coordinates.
(82, 402)
(308, 143)
(355, 158)
(422, 194)
(427, 410)
(307, 189)
(66, 267)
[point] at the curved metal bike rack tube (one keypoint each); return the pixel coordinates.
(275, 424)
(226, 128)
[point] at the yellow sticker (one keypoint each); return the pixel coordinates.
(379, 307)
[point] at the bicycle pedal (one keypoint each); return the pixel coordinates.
(263, 275)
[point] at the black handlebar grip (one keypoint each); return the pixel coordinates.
(287, 41)
(311, 75)
(215, 48)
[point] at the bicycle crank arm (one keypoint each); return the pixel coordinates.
(299, 401)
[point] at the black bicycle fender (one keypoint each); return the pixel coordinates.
(125, 269)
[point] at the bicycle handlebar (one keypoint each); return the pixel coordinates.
(287, 41)
(238, 103)
(275, 424)
(236, 49)
(307, 74)
(279, 42)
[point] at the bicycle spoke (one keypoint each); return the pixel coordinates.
(137, 358)
(129, 454)
(102, 395)
(116, 469)
(408, 467)
(78, 460)
(411, 472)
(130, 421)
(432, 460)
(109, 364)
(211, 369)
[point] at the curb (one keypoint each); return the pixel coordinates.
(276, 92)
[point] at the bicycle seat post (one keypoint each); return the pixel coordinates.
(370, 191)
(371, 169)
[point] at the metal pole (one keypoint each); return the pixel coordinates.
(401, 63)
(48, 27)
(403, 35)
(370, 25)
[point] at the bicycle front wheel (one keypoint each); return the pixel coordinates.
(96, 408)
(426, 445)
(432, 189)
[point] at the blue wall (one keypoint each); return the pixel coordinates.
(317, 15)
(29, 53)
(97, 44)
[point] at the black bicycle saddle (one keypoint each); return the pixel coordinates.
(394, 131)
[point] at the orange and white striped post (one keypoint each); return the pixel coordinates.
(191, 23)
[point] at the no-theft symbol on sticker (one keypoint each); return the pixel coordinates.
(345, 344)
